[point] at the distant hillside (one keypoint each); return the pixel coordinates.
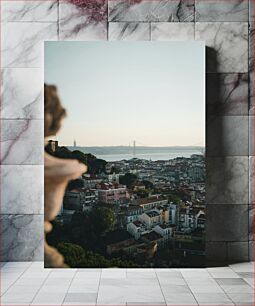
(139, 149)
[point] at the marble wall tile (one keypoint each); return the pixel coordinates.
(22, 237)
(227, 223)
(22, 93)
(23, 10)
(227, 135)
(227, 180)
(22, 189)
(213, 10)
(74, 24)
(129, 31)
(251, 179)
(227, 94)
(251, 221)
(251, 93)
(153, 10)
(251, 10)
(251, 250)
(251, 69)
(229, 42)
(251, 135)
(22, 43)
(215, 252)
(182, 31)
(22, 142)
(238, 251)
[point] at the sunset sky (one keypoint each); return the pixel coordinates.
(117, 92)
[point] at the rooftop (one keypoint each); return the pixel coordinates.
(149, 200)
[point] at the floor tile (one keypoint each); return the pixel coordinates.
(237, 288)
(246, 274)
(84, 285)
(141, 273)
(249, 281)
(195, 273)
(17, 264)
(222, 272)
(88, 274)
(114, 273)
(147, 304)
(175, 289)
(230, 281)
(30, 283)
(243, 267)
(180, 299)
(171, 281)
(44, 298)
(242, 299)
(213, 299)
(81, 298)
(17, 297)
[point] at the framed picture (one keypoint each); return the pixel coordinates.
(125, 154)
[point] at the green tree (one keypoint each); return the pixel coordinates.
(74, 254)
(129, 179)
(103, 220)
(174, 198)
(148, 184)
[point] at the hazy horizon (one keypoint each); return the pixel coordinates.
(118, 92)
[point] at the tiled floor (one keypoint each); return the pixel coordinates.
(27, 283)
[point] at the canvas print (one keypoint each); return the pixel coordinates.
(125, 123)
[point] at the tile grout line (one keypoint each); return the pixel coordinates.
(189, 287)
(40, 287)
(98, 286)
(15, 280)
(223, 288)
(160, 286)
(69, 286)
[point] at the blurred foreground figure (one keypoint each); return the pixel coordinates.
(57, 173)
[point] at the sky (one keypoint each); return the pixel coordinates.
(118, 92)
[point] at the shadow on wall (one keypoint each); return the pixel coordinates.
(220, 221)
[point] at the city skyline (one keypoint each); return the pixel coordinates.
(117, 92)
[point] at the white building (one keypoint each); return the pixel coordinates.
(149, 203)
(150, 218)
(165, 230)
(136, 229)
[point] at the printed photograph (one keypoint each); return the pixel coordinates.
(127, 133)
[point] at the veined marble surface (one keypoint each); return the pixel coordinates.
(232, 228)
(153, 10)
(234, 10)
(251, 68)
(251, 10)
(230, 43)
(22, 43)
(227, 93)
(227, 136)
(22, 237)
(174, 31)
(227, 180)
(22, 93)
(129, 31)
(74, 24)
(251, 219)
(22, 142)
(23, 10)
(22, 189)
(251, 180)
(237, 250)
(251, 135)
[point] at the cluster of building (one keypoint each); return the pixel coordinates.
(152, 221)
